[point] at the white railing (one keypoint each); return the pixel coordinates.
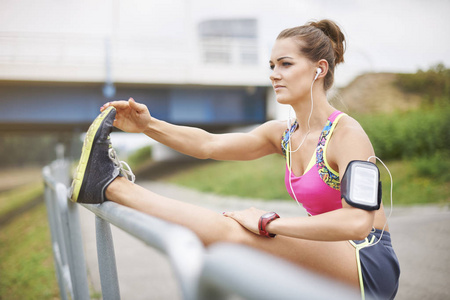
(217, 272)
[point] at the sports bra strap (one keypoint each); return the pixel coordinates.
(334, 115)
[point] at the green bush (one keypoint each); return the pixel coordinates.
(413, 185)
(433, 85)
(409, 134)
(140, 156)
(436, 166)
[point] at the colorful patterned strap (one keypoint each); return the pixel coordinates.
(328, 175)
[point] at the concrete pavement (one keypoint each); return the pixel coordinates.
(419, 235)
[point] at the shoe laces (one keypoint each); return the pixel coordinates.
(122, 165)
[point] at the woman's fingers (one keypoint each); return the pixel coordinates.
(138, 107)
(248, 218)
(119, 105)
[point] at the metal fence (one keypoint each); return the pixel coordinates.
(65, 232)
(218, 272)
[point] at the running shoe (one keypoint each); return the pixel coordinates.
(99, 164)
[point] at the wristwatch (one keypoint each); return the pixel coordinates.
(264, 220)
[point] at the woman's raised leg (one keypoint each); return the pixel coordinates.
(333, 259)
(209, 226)
(98, 179)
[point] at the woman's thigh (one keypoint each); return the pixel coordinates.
(333, 259)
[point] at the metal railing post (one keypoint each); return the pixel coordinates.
(106, 260)
(52, 216)
(74, 243)
(66, 234)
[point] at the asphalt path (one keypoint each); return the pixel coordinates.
(420, 236)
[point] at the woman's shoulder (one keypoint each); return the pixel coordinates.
(272, 131)
(274, 127)
(348, 127)
(349, 140)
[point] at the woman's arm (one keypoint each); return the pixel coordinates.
(349, 143)
(264, 140)
(342, 224)
(348, 223)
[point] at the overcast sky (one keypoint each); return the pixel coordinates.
(383, 35)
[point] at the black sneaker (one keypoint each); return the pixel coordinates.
(99, 164)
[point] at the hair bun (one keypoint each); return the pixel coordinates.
(337, 38)
(317, 41)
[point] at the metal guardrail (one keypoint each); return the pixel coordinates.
(183, 248)
(65, 232)
(219, 272)
(231, 269)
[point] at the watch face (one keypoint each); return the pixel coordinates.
(268, 215)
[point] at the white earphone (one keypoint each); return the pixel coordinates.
(318, 71)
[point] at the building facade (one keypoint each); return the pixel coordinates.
(62, 61)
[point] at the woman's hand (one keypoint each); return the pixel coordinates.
(130, 115)
(248, 218)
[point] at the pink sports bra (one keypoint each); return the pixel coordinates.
(318, 189)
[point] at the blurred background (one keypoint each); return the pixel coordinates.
(193, 62)
(205, 63)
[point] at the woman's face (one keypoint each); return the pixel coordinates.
(292, 73)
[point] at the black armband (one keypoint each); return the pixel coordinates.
(361, 185)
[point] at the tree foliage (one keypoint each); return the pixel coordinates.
(433, 84)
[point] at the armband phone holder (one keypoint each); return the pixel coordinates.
(361, 185)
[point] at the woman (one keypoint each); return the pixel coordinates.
(329, 242)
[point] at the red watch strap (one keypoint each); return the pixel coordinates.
(264, 220)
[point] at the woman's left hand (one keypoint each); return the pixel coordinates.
(248, 218)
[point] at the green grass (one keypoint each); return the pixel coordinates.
(26, 259)
(26, 264)
(412, 187)
(16, 198)
(264, 179)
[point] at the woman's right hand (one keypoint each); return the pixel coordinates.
(130, 116)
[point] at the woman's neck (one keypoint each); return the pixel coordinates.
(321, 110)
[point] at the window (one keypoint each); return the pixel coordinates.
(229, 42)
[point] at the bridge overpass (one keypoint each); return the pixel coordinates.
(214, 75)
(71, 107)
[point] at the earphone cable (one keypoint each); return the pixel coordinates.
(309, 126)
(392, 206)
(289, 163)
(288, 150)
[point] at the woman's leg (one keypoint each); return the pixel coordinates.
(333, 259)
(194, 217)
(97, 177)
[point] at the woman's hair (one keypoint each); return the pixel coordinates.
(319, 40)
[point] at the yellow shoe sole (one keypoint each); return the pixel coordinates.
(85, 154)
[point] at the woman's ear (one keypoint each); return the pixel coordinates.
(323, 65)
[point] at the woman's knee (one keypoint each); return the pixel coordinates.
(235, 233)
